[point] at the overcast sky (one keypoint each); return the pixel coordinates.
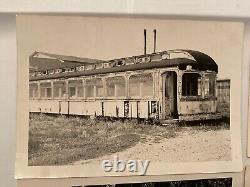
(108, 38)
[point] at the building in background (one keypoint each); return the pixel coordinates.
(223, 96)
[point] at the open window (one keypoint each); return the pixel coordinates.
(116, 86)
(141, 85)
(191, 84)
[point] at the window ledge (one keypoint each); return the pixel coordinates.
(198, 98)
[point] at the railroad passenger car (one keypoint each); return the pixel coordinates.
(177, 85)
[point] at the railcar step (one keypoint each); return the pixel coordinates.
(169, 121)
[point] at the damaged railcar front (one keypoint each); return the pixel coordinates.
(197, 88)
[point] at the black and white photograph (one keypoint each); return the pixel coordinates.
(217, 182)
(82, 110)
(127, 93)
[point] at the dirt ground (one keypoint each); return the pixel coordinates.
(60, 140)
(188, 147)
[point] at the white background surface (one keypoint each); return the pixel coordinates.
(211, 8)
(7, 100)
(8, 60)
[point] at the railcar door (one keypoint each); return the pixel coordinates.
(170, 95)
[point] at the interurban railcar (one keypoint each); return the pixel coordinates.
(170, 85)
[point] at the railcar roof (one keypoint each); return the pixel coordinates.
(203, 60)
(196, 59)
(223, 80)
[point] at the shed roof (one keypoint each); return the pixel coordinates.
(41, 61)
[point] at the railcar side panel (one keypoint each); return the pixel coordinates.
(92, 108)
(120, 108)
(76, 107)
(110, 109)
(197, 107)
(63, 107)
(132, 109)
(44, 106)
(144, 109)
(34, 106)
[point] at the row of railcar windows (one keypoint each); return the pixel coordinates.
(139, 85)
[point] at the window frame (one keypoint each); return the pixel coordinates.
(37, 87)
(193, 97)
(94, 90)
(125, 87)
(61, 96)
(141, 96)
(46, 87)
(76, 83)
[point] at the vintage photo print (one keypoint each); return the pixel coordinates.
(194, 180)
(111, 96)
(218, 182)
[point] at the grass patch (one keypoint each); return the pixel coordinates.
(61, 140)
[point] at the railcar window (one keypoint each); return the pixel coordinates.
(116, 86)
(75, 89)
(210, 85)
(33, 91)
(94, 87)
(191, 84)
(72, 92)
(59, 89)
(43, 94)
(30, 92)
(80, 92)
(141, 85)
(46, 90)
(147, 87)
(89, 91)
(99, 91)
